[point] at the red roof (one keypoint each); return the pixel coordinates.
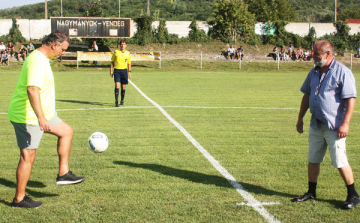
(353, 21)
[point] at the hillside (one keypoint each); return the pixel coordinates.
(181, 10)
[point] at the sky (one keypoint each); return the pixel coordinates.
(14, 3)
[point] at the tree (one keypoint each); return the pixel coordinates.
(94, 9)
(232, 21)
(15, 34)
(271, 10)
(144, 34)
(162, 33)
(350, 13)
(196, 34)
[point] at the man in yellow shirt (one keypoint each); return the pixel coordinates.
(120, 68)
(32, 112)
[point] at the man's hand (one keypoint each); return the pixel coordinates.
(44, 125)
(300, 126)
(343, 130)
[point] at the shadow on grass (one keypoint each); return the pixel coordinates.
(83, 102)
(34, 184)
(197, 177)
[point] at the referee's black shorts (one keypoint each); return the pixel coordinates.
(121, 76)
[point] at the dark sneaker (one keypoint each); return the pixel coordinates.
(69, 178)
(121, 102)
(26, 202)
(305, 197)
(116, 104)
(351, 202)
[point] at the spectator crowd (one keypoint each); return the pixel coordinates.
(291, 53)
(9, 51)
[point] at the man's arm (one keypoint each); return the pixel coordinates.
(303, 108)
(129, 71)
(111, 69)
(343, 130)
(34, 97)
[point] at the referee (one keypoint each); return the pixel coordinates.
(121, 70)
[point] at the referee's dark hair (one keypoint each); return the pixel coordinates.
(123, 41)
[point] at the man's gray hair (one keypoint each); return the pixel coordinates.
(326, 45)
(56, 37)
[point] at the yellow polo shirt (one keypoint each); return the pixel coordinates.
(121, 59)
(36, 71)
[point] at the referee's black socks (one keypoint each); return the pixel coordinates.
(122, 95)
(116, 94)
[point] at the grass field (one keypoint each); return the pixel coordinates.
(241, 123)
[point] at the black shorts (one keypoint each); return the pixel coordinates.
(121, 76)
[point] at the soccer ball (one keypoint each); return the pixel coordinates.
(98, 142)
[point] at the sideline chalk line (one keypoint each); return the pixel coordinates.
(251, 201)
(174, 106)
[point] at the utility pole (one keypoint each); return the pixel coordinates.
(335, 9)
(61, 9)
(148, 7)
(119, 8)
(45, 9)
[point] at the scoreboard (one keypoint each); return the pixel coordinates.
(92, 27)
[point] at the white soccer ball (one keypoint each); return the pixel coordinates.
(98, 142)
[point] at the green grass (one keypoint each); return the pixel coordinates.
(151, 173)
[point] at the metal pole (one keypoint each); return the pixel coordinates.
(240, 60)
(160, 61)
(45, 9)
(351, 55)
(61, 9)
(201, 60)
(119, 8)
(278, 60)
(335, 9)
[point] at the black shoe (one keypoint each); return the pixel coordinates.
(121, 102)
(305, 197)
(26, 202)
(351, 202)
(116, 104)
(69, 178)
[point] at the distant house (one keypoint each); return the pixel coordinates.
(355, 21)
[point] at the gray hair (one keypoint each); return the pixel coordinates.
(56, 37)
(326, 45)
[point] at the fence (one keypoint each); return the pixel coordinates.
(106, 56)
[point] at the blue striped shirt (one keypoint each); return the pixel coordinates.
(327, 95)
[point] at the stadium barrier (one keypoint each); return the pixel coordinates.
(106, 56)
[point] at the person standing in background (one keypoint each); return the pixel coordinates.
(120, 69)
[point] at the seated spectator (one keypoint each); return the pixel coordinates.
(291, 51)
(11, 49)
(358, 51)
(5, 57)
(275, 53)
(283, 55)
(240, 53)
(30, 48)
(299, 54)
(21, 53)
(231, 52)
(307, 55)
(2, 47)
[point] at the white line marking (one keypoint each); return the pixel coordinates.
(173, 106)
(239, 188)
(262, 203)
